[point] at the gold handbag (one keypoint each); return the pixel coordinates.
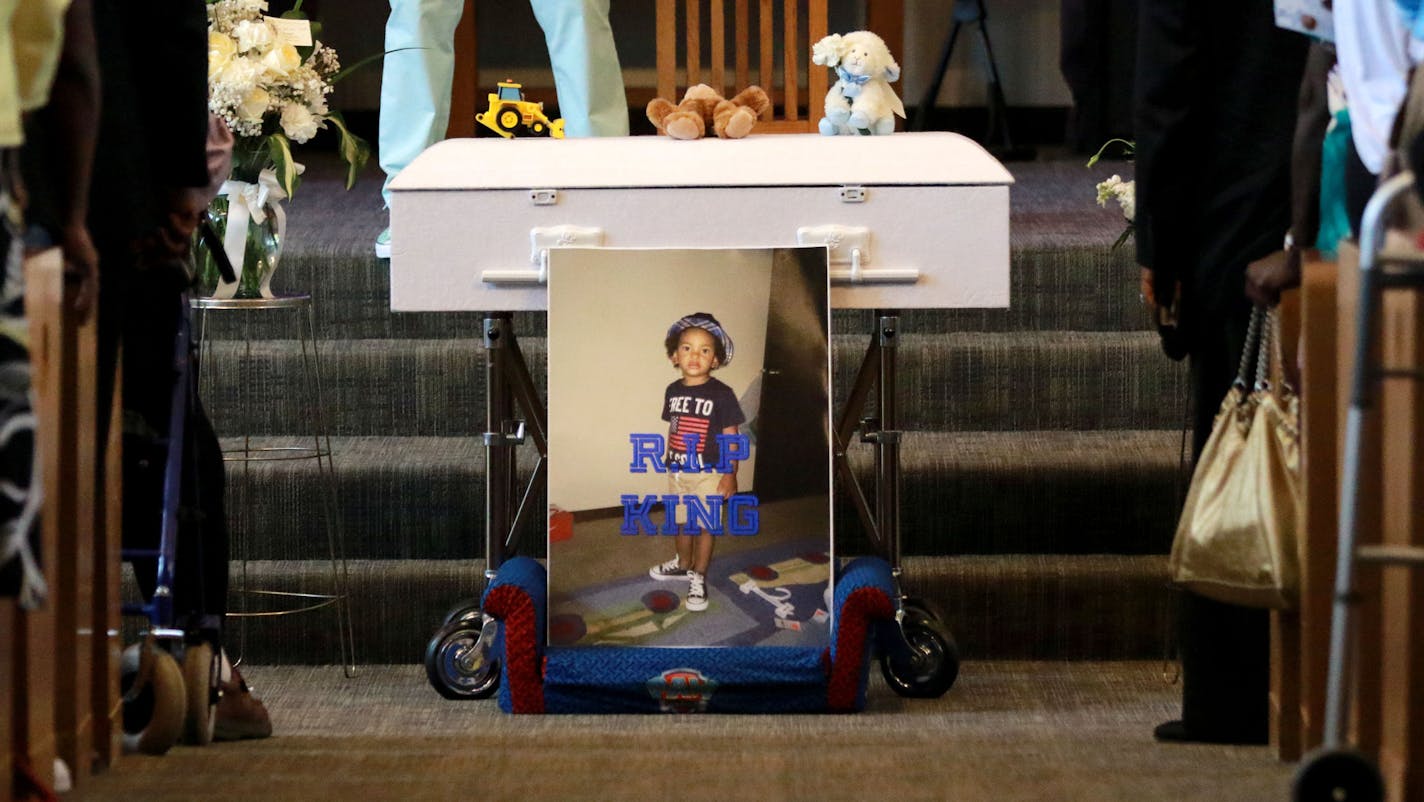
(1236, 541)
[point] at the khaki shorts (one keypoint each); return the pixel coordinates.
(691, 484)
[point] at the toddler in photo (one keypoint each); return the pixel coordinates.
(697, 408)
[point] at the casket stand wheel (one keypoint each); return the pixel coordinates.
(926, 665)
(153, 698)
(458, 661)
(1338, 775)
(463, 610)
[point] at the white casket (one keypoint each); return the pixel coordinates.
(912, 220)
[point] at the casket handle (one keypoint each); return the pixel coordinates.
(849, 249)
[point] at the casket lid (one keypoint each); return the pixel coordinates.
(923, 159)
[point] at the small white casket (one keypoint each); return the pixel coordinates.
(911, 220)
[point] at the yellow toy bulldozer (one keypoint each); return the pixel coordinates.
(510, 115)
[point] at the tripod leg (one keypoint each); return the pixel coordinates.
(932, 93)
(998, 107)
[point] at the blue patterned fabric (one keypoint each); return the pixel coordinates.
(618, 679)
(864, 572)
(528, 575)
(758, 679)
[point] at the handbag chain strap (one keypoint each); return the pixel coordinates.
(1265, 356)
(1249, 348)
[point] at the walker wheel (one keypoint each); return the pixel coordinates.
(467, 609)
(200, 683)
(154, 703)
(1338, 775)
(929, 664)
(458, 660)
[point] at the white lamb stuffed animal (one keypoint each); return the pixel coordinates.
(861, 100)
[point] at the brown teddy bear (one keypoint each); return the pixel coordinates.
(701, 105)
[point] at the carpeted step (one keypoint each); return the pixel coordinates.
(1091, 607)
(962, 493)
(1037, 492)
(1023, 381)
(948, 382)
(1051, 288)
(395, 498)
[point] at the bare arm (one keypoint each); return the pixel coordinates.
(74, 101)
(727, 485)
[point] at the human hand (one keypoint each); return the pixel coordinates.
(727, 485)
(172, 238)
(1146, 293)
(1266, 278)
(81, 269)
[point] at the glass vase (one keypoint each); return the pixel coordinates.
(260, 256)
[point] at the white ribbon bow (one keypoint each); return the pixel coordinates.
(247, 201)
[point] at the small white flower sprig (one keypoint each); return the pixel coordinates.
(272, 92)
(1114, 188)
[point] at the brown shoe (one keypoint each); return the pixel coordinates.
(239, 713)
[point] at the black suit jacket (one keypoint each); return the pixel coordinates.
(1216, 96)
(153, 62)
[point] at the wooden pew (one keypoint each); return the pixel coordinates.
(1387, 705)
(59, 663)
(71, 500)
(1401, 521)
(1285, 690)
(33, 731)
(1320, 415)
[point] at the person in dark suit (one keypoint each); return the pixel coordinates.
(150, 183)
(1215, 114)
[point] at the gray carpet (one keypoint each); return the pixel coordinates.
(1008, 731)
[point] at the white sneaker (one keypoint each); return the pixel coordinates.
(668, 570)
(696, 591)
(383, 244)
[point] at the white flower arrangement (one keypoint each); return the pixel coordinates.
(272, 91)
(1114, 188)
(1124, 192)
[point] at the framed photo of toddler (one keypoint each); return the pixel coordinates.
(689, 466)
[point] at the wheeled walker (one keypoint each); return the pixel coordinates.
(1336, 772)
(461, 660)
(170, 679)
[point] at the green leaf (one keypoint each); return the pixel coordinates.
(282, 163)
(1127, 147)
(345, 71)
(354, 150)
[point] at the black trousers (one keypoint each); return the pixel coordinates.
(1224, 648)
(143, 312)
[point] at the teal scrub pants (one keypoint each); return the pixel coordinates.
(415, 85)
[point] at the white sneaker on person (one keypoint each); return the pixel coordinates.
(383, 244)
(696, 591)
(668, 570)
